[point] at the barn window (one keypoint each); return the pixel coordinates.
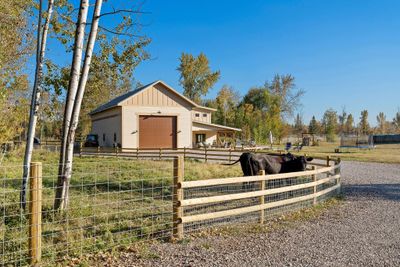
(204, 114)
(115, 137)
(104, 137)
(197, 114)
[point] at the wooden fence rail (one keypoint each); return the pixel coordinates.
(206, 155)
(331, 182)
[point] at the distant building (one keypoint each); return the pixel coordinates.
(157, 116)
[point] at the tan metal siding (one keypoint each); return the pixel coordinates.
(201, 118)
(131, 123)
(156, 95)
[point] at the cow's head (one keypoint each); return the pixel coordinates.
(297, 164)
(302, 162)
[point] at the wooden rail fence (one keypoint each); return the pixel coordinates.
(332, 182)
(204, 154)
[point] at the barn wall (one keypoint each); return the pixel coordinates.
(130, 120)
(107, 123)
(201, 117)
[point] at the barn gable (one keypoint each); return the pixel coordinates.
(157, 95)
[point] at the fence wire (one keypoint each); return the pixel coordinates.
(217, 190)
(111, 203)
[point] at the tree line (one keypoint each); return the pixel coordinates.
(334, 123)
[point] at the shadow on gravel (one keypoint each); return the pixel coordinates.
(383, 191)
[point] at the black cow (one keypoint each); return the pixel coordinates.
(252, 164)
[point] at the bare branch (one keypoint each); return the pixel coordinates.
(124, 11)
(120, 33)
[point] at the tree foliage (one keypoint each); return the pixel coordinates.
(226, 103)
(118, 52)
(330, 124)
(15, 46)
(298, 125)
(314, 126)
(382, 123)
(196, 76)
(396, 121)
(364, 124)
(349, 126)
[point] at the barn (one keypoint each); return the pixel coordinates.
(157, 116)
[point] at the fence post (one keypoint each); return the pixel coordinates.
(328, 159)
(205, 154)
(137, 153)
(98, 150)
(314, 178)
(177, 197)
(159, 155)
(337, 171)
(262, 198)
(230, 155)
(35, 213)
(80, 149)
(184, 152)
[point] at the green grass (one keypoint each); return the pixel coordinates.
(112, 202)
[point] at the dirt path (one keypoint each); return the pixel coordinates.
(362, 231)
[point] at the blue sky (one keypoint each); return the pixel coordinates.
(342, 53)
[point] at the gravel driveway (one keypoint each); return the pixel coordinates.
(362, 231)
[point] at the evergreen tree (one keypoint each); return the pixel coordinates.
(313, 127)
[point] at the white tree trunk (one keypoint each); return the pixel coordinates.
(71, 94)
(77, 105)
(40, 52)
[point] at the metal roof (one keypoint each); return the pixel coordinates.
(217, 126)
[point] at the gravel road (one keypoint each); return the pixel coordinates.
(362, 231)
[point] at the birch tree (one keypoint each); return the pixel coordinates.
(62, 189)
(40, 53)
(71, 94)
(77, 81)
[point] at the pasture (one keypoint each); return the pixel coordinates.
(112, 202)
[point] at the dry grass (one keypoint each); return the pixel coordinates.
(381, 153)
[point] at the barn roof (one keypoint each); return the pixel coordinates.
(217, 126)
(119, 99)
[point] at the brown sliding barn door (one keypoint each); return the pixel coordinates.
(157, 132)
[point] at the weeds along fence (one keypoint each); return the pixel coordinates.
(116, 202)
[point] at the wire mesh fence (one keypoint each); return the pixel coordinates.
(115, 202)
(255, 201)
(111, 203)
